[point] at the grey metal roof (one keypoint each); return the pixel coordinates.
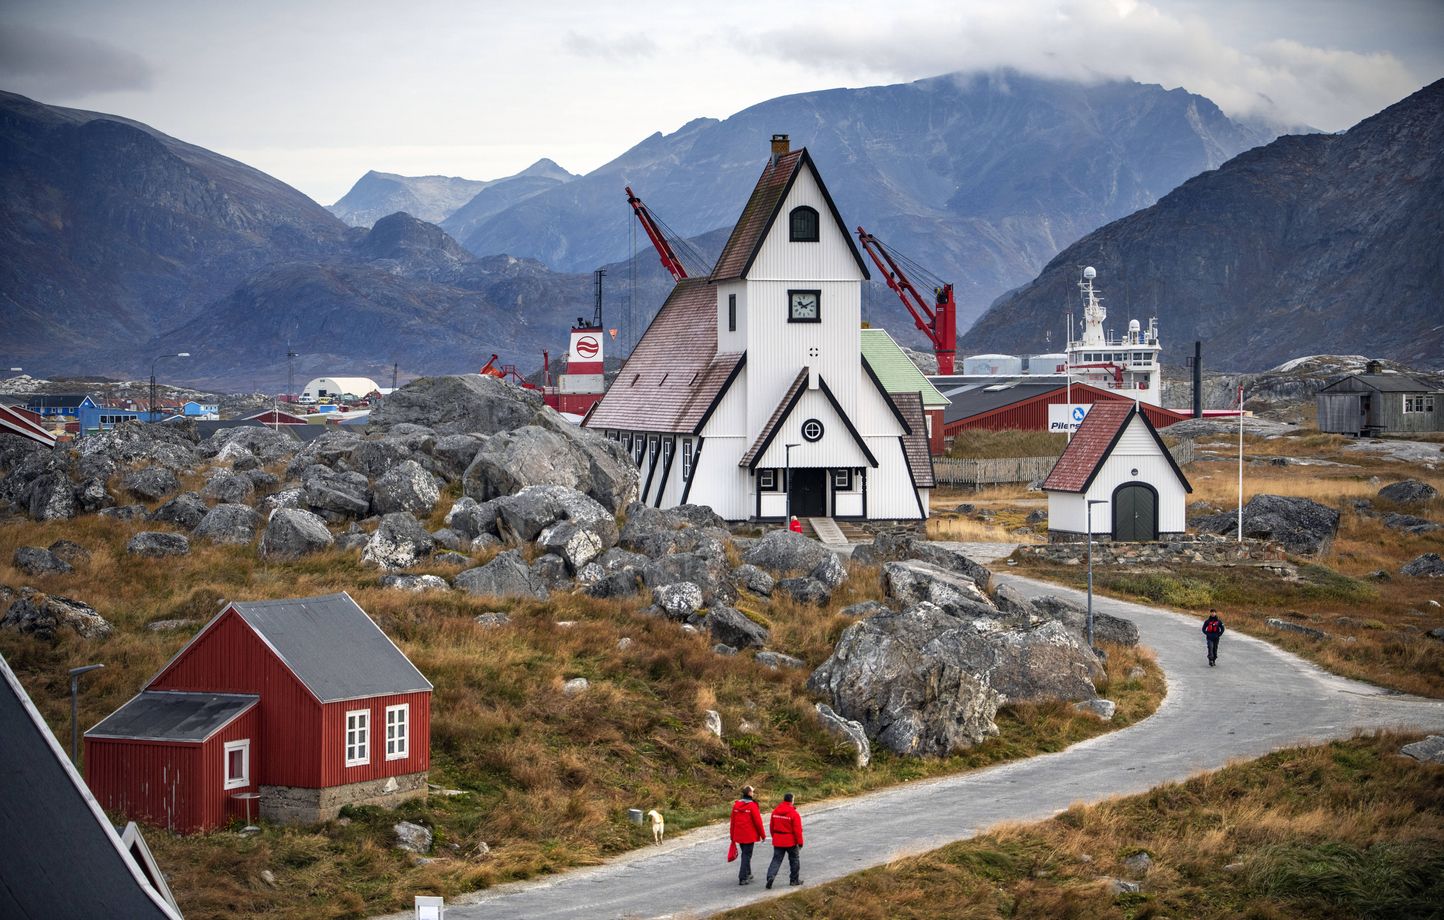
(60, 855)
(1385, 383)
(164, 716)
(966, 403)
(335, 649)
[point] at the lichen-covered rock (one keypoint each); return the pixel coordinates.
(707, 573)
(36, 561)
(92, 495)
(415, 582)
(451, 454)
(775, 660)
(150, 484)
(294, 532)
(1106, 627)
(335, 496)
(905, 678)
(679, 600)
(125, 512)
(1429, 565)
(185, 510)
(732, 627)
(50, 497)
(266, 444)
(1302, 526)
(913, 581)
(1429, 750)
(70, 552)
(782, 551)
(505, 576)
(158, 544)
(807, 591)
(412, 838)
(229, 524)
(450, 539)
(1409, 492)
(830, 572)
(405, 487)
(375, 458)
(848, 731)
(172, 445)
(45, 615)
(398, 542)
(522, 517)
(551, 570)
(751, 578)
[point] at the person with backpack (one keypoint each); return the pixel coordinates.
(1212, 631)
(746, 830)
(786, 826)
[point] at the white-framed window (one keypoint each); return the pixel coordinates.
(238, 764)
(687, 459)
(767, 480)
(358, 737)
(1421, 403)
(398, 731)
(652, 449)
(666, 451)
(842, 480)
(627, 441)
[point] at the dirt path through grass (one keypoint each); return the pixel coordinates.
(1258, 700)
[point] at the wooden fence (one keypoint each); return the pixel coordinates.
(950, 472)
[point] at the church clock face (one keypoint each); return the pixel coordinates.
(804, 306)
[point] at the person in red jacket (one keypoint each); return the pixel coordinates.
(794, 525)
(786, 827)
(746, 830)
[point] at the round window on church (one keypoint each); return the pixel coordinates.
(812, 430)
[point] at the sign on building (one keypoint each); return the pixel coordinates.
(1064, 417)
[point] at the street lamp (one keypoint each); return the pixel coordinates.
(787, 478)
(1091, 503)
(179, 354)
(74, 710)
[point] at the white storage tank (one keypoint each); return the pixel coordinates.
(993, 365)
(1048, 364)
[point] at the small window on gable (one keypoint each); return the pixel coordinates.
(238, 764)
(731, 312)
(802, 225)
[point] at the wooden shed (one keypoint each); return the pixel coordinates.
(1379, 402)
(305, 701)
(1117, 462)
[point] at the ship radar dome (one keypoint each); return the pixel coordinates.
(1090, 273)
(1133, 325)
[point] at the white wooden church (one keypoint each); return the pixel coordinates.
(758, 370)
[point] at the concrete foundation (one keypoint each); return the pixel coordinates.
(301, 805)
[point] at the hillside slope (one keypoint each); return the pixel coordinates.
(1315, 243)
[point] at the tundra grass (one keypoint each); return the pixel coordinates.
(544, 780)
(1343, 831)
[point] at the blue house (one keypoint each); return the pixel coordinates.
(103, 418)
(194, 409)
(64, 404)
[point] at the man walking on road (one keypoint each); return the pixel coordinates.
(786, 827)
(1212, 630)
(746, 830)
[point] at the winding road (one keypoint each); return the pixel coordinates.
(1257, 700)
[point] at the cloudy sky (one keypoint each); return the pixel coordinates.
(317, 92)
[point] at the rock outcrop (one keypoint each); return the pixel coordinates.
(293, 532)
(1302, 526)
(45, 615)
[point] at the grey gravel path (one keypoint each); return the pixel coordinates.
(1257, 700)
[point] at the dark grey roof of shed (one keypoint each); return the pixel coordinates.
(332, 646)
(156, 715)
(984, 399)
(60, 855)
(1385, 383)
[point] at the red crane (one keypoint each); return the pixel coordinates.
(654, 233)
(938, 319)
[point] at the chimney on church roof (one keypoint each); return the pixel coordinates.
(780, 145)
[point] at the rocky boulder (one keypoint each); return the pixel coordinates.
(707, 573)
(847, 731)
(229, 524)
(505, 576)
(335, 496)
(399, 541)
(332, 449)
(36, 561)
(266, 444)
(472, 518)
(1304, 527)
(45, 615)
(230, 488)
(1409, 523)
(457, 404)
(376, 458)
(904, 677)
(749, 577)
(521, 518)
(157, 544)
(405, 487)
(50, 497)
(904, 545)
(679, 600)
(185, 510)
(415, 583)
(1409, 492)
(913, 581)
(451, 454)
(807, 591)
(1106, 627)
(782, 551)
(70, 552)
(172, 446)
(293, 532)
(732, 627)
(1047, 662)
(1428, 565)
(150, 484)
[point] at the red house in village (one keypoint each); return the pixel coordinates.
(304, 701)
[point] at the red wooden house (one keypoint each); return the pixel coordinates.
(305, 701)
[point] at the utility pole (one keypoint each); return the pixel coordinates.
(394, 365)
(290, 371)
(75, 710)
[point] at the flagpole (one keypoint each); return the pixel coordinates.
(1240, 463)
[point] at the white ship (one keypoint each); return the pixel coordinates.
(1127, 364)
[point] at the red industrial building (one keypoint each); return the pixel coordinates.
(1024, 406)
(304, 701)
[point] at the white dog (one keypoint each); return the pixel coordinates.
(659, 827)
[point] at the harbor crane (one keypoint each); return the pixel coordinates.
(659, 241)
(938, 318)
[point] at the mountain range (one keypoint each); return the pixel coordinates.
(1313, 243)
(980, 178)
(436, 198)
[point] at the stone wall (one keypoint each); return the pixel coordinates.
(1201, 549)
(301, 805)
